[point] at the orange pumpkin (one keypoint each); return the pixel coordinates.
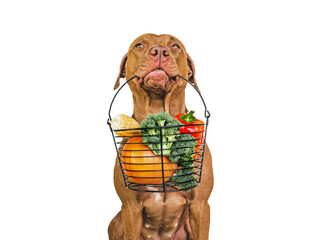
(141, 165)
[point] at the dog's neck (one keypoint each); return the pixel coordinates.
(172, 102)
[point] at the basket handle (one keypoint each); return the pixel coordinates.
(206, 112)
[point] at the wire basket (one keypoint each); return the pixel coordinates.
(150, 166)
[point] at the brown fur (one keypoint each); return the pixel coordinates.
(177, 215)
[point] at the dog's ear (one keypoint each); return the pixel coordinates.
(122, 72)
(191, 72)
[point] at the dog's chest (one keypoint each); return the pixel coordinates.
(164, 209)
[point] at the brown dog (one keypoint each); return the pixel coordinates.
(156, 61)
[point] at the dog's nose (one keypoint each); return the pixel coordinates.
(158, 51)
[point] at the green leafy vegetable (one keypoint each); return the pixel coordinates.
(184, 178)
(180, 148)
(182, 152)
(183, 148)
(151, 135)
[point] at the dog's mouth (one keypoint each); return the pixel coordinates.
(157, 78)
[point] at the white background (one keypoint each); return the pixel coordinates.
(257, 67)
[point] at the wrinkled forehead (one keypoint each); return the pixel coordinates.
(153, 39)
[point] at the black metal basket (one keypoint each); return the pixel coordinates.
(145, 171)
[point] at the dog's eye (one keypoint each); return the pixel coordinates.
(139, 45)
(175, 45)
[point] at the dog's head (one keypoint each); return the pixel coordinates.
(156, 60)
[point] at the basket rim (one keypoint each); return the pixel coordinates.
(171, 126)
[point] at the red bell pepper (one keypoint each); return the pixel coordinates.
(196, 131)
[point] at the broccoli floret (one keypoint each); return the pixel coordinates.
(151, 137)
(169, 135)
(184, 178)
(162, 118)
(183, 148)
(182, 152)
(149, 125)
(173, 131)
